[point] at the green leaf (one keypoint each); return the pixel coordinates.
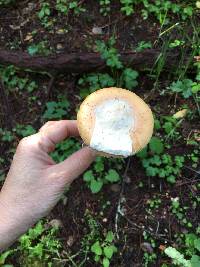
(96, 248)
(88, 176)
(4, 256)
(129, 77)
(143, 153)
(195, 261)
(110, 236)
(96, 186)
(108, 251)
(197, 244)
(177, 257)
(112, 176)
(32, 50)
(106, 262)
(171, 179)
(97, 258)
(99, 164)
(156, 145)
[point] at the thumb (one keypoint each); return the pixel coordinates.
(74, 165)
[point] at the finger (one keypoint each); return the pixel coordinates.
(54, 132)
(74, 165)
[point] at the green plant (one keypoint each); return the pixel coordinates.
(191, 250)
(6, 136)
(95, 181)
(127, 6)
(104, 249)
(158, 164)
(39, 244)
(65, 149)
(104, 7)
(64, 6)
(40, 48)
(194, 157)
(143, 45)
(163, 166)
(6, 2)
(36, 247)
(109, 53)
(94, 81)
(56, 110)
(13, 81)
(149, 257)
(45, 10)
(176, 43)
(24, 130)
(153, 204)
(180, 212)
(128, 78)
(170, 125)
(186, 88)
(161, 9)
(177, 257)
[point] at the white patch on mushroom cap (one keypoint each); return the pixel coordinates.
(113, 122)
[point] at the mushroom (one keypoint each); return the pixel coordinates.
(115, 122)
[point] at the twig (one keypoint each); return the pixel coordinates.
(120, 201)
(51, 82)
(155, 235)
(191, 169)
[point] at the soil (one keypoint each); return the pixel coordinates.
(161, 225)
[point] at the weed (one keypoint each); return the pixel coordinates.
(180, 212)
(96, 180)
(128, 78)
(121, 77)
(158, 8)
(186, 88)
(153, 204)
(191, 250)
(40, 48)
(65, 149)
(6, 2)
(194, 157)
(149, 258)
(64, 6)
(6, 136)
(159, 164)
(13, 81)
(109, 53)
(44, 14)
(104, 249)
(176, 43)
(170, 126)
(36, 247)
(105, 7)
(24, 130)
(143, 45)
(56, 110)
(94, 81)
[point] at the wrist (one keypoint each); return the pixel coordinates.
(11, 223)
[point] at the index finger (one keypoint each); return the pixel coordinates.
(53, 132)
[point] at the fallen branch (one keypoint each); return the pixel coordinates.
(83, 62)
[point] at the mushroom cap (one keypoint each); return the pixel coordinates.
(142, 127)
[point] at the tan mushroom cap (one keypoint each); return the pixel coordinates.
(143, 119)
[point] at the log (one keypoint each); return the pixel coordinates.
(83, 62)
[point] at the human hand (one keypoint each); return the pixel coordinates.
(35, 183)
